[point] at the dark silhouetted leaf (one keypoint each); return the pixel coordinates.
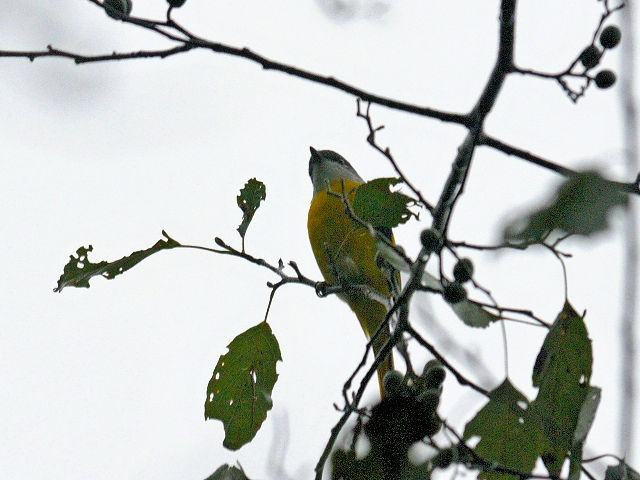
(562, 372)
(376, 205)
(346, 466)
(508, 435)
(79, 269)
(622, 471)
(251, 195)
(239, 392)
(225, 472)
(580, 206)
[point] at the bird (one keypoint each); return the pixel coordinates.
(346, 251)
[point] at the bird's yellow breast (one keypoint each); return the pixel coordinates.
(346, 253)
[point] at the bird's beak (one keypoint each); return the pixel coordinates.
(314, 160)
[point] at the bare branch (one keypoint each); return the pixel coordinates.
(371, 139)
(78, 58)
(630, 187)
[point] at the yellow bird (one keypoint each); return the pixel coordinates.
(346, 251)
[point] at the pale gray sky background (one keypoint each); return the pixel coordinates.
(110, 382)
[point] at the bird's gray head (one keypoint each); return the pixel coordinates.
(327, 166)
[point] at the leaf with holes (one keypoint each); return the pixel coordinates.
(376, 205)
(239, 392)
(251, 195)
(79, 269)
(508, 435)
(562, 372)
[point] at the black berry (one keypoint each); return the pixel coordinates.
(454, 293)
(605, 79)
(610, 36)
(430, 239)
(463, 270)
(590, 56)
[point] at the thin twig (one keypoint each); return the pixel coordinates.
(462, 380)
(371, 139)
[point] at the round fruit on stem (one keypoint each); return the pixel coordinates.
(610, 36)
(605, 79)
(431, 240)
(118, 9)
(590, 56)
(393, 383)
(463, 270)
(454, 293)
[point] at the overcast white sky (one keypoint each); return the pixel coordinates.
(110, 382)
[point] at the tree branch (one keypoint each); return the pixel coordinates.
(628, 187)
(460, 167)
(78, 58)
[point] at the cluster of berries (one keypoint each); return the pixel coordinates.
(590, 56)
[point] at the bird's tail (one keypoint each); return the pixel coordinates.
(387, 364)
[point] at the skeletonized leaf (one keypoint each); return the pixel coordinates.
(239, 392)
(79, 270)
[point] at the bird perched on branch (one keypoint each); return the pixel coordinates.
(346, 251)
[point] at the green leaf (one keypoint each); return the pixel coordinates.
(79, 269)
(346, 466)
(585, 419)
(587, 414)
(509, 437)
(251, 195)
(239, 392)
(225, 472)
(376, 205)
(581, 206)
(562, 372)
(374, 466)
(622, 471)
(473, 314)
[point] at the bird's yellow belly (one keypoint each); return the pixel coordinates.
(346, 254)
